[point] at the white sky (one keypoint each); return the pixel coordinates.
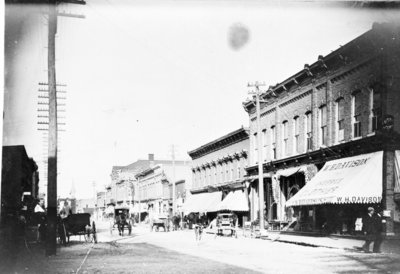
(143, 75)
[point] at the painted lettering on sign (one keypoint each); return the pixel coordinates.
(347, 164)
(322, 187)
(362, 200)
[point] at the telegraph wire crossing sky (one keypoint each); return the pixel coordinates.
(142, 76)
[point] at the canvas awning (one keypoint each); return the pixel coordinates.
(255, 177)
(202, 202)
(290, 171)
(234, 201)
(355, 179)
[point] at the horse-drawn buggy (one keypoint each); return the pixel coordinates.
(77, 225)
(121, 220)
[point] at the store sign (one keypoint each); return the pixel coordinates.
(355, 179)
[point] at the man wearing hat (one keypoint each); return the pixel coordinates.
(372, 227)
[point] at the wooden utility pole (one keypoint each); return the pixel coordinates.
(256, 93)
(173, 180)
(51, 240)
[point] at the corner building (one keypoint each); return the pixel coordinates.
(330, 138)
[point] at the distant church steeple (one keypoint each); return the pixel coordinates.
(72, 191)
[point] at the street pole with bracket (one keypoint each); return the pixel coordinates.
(256, 94)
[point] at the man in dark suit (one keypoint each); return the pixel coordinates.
(372, 227)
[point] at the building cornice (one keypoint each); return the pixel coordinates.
(226, 140)
(373, 40)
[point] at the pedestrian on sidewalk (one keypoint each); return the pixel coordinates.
(372, 227)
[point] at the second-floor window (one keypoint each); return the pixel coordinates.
(356, 113)
(308, 130)
(273, 143)
(285, 138)
(340, 119)
(296, 135)
(264, 145)
(255, 159)
(322, 125)
(375, 110)
(215, 175)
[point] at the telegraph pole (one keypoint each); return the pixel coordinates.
(173, 180)
(256, 94)
(51, 241)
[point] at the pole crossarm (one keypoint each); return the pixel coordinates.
(52, 130)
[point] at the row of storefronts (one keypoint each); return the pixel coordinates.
(145, 188)
(335, 139)
(330, 145)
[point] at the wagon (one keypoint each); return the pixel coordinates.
(158, 222)
(225, 224)
(121, 221)
(77, 225)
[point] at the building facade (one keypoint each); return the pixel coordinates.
(219, 168)
(124, 188)
(100, 205)
(19, 183)
(154, 187)
(344, 105)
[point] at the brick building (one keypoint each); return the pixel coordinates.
(218, 170)
(121, 189)
(154, 186)
(340, 109)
